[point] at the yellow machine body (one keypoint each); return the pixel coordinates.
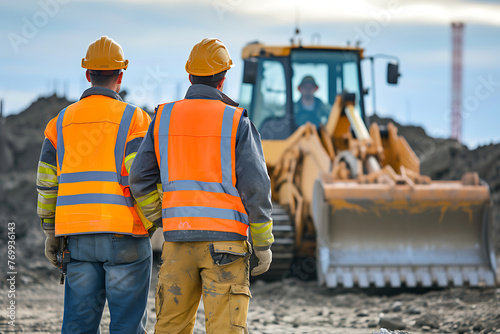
(354, 195)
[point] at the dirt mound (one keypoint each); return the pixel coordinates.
(24, 133)
(22, 137)
(447, 159)
(421, 143)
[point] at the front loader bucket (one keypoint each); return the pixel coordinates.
(400, 235)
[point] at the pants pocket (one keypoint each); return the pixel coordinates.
(239, 298)
(224, 253)
(124, 249)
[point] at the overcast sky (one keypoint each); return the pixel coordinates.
(43, 42)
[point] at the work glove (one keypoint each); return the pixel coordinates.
(51, 246)
(265, 258)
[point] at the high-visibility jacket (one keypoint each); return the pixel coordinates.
(195, 142)
(93, 196)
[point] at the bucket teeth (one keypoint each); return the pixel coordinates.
(396, 277)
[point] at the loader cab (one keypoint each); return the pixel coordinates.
(271, 80)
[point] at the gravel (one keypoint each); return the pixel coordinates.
(294, 307)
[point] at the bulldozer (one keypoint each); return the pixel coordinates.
(349, 193)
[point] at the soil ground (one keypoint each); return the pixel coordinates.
(289, 307)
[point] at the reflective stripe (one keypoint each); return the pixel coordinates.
(121, 138)
(201, 235)
(214, 187)
(94, 199)
(47, 206)
(53, 178)
(163, 140)
(87, 176)
(47, 165)
(47, 188)
(148, 199)
(202, 211)
(129, 159)
(225, 145)
(46, 170)
(100, 232)
(48, 196)
(262, 234)
(60, 139)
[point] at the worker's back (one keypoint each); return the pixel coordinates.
(200, 133)
(90, 131)
(196, 153)
(90, 136)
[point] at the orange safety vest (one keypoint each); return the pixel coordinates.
(195, 143)
(94, 196)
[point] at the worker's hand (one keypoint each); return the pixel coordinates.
(51, 246)
(265, 258)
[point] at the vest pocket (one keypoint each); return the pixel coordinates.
(239, 298)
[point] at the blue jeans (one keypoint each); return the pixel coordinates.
(116, 268)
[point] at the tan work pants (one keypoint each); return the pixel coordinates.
(218, 271)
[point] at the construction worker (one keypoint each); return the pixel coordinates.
(84, 197)
(310, 108)
(208, 157)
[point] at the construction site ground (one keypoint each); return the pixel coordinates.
(290, 306)
(278, 307)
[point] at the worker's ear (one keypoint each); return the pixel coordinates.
(119, 79)
(315, 89)
(221, 84)
(190, 79)
(87, 75)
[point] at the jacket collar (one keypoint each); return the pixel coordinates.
(101, 91)
(199, 91)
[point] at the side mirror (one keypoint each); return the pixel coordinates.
(393, 73)
(250, 68)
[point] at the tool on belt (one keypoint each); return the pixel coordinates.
(63, 258)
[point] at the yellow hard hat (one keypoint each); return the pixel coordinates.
(208, 57)
(104, 55)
